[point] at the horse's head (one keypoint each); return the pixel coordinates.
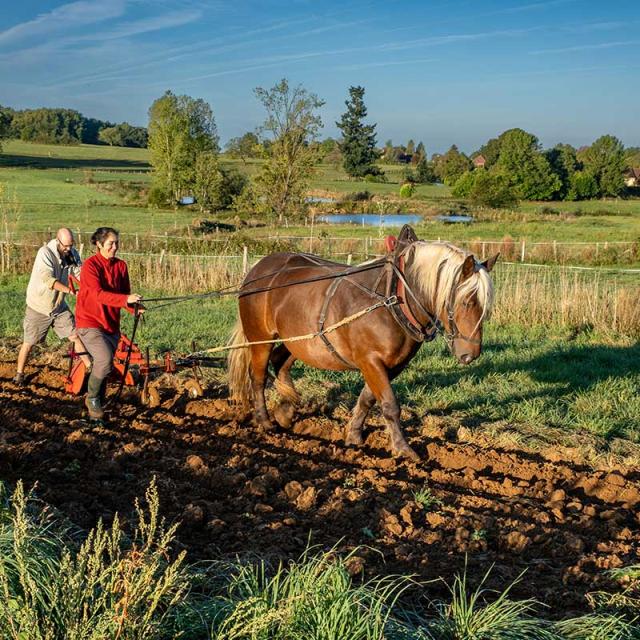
(468, 305)
(458, 292)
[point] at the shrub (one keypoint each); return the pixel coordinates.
(407, 190)
(408, 175)
(463, 185)
(492, 190)
(158, 197)
(582, 186)
(378, 177)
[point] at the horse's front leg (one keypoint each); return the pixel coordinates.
(377, 378)
(353, 431)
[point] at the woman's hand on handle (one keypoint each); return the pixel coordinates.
(135, 299)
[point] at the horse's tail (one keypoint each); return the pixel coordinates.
(238, 366)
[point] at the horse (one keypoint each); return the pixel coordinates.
(418, 289)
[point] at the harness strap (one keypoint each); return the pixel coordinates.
(323, 314)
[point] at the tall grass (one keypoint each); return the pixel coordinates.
(108, 587)
(529, 296)
(539, 297)
(53, 587)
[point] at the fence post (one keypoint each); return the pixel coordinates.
(483, 251)
(166, 240)
(522, 248)
(81, 249)
(555, 250)
(245, 259)
(161, 258)
(349, 258)
(137, 242)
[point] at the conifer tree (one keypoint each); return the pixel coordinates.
(358, 139)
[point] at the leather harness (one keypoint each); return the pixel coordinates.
(396, 296)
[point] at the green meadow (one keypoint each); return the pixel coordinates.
(85, 186)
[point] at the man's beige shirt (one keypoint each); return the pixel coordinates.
(47, 268)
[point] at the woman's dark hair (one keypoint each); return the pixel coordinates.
(102, 233)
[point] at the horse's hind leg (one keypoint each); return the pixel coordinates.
(377, 378)
(353, 431)
(259, 364)
(282, 361)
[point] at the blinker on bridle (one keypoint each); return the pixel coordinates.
(453, 333)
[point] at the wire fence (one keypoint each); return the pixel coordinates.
(612, 254)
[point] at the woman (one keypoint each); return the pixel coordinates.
(105, 289)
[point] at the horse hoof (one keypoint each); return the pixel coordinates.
(266, 426)
(283, 414)
(354, 439)
(407, 452)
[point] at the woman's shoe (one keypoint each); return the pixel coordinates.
(94, 407)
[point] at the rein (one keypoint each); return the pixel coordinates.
(399, 306)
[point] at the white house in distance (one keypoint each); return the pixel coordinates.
(632, 177)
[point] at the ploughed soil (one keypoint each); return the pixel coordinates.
(240, 491)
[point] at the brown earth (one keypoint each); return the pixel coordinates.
(239, 491)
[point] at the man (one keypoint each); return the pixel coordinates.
(46, 306)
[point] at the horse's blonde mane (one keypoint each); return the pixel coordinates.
(435, 271)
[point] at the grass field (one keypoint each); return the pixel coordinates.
(85, 186)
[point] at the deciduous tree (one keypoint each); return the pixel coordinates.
(180, 129)
(244, 147)
(563, 162)
(292, 124)
(450, 166)
(605, 161)
(527, 169)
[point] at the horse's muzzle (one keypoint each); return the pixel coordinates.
(466, 358)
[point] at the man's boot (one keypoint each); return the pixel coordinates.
(92, 401)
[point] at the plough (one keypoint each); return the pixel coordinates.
(133, 368)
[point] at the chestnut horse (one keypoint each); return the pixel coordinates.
(432, 285)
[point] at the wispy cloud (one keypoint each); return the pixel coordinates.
(586, 47)
(387, 63)
(455, 37)
(62, 19)
(531, 7)
(145, 25)
(223, 46)
(171, 55)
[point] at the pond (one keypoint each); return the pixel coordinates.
(371, 219)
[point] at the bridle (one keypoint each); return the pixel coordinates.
(434, 325)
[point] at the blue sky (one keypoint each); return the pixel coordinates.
(443, 72)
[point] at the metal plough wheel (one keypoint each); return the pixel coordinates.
(150, 397)
(194, 388)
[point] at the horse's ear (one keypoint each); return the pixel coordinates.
(468, 268)
(488, 264)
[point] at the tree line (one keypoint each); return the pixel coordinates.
(67, 126)
(185, 153)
